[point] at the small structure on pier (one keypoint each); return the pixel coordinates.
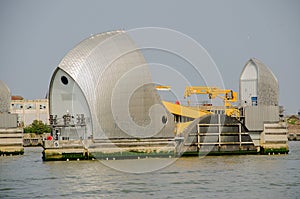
(11, 137)
(259, 93)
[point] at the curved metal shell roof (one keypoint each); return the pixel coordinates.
(116, 83)
(5, 97)
(266, 82)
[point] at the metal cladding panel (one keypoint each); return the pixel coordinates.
(256, 116)
(264, 85)
(249, 72)
(248, 90)
(65, 96)
(4, 98)
(248, 83)
(116, 83)
(268, 89)
(8, 120)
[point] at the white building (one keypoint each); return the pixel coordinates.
(30, 110)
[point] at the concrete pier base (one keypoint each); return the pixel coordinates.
(108, 149)
(11, 141)
(274, 139)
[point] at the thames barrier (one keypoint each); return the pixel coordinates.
(104, 106)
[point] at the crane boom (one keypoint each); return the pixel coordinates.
(212, 92)
(227, 95)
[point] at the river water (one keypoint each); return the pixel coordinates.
(244, 176)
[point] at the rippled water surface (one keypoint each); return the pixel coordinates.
(251, 176)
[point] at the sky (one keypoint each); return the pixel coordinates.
(35, 36)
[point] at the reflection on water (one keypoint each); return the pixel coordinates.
(251, 176)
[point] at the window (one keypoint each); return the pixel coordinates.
(29, 106)
(42, 106)
(164, 119)
(16, 106)
(64, 80)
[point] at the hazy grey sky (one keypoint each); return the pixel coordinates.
(35, 35)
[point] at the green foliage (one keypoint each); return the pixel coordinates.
(37, 127)
(292, 121)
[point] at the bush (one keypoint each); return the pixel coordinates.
(37, 127)
(292, 121)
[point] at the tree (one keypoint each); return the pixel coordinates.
(37, 127)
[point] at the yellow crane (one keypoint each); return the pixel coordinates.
(181, 111)
(183, 115)
(227, 95)
(163, 88)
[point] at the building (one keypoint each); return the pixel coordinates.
(102, 93)
(258, 84)
(105, 79)
(30, 110)
(259, 92)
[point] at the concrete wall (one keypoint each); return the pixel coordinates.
(256, 116)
